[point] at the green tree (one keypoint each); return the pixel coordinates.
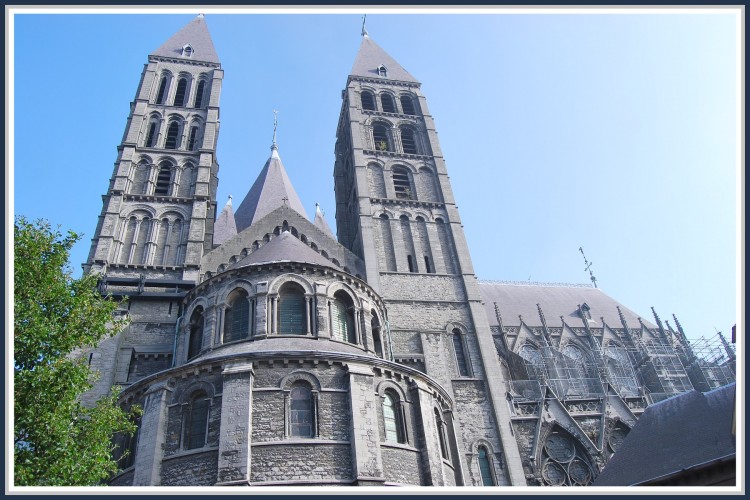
(57, 440)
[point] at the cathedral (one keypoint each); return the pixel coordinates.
(266, 348)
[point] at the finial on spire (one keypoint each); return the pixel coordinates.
(588, 267)
(200, 16)
(274, 146)
(364, 30)
(229, 200)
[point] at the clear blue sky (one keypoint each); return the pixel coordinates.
(614, 132)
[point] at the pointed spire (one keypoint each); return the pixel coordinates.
(225, 227)
(320, 221)
(192, 42)
(371, 58)
(270, 190)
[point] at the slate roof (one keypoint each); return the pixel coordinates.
(320, 222)
(285, 248)
(673, 435)
(267, 194)
(285, 345)
(370, 56)
(225, 228)
(194, 33)
(555, 300)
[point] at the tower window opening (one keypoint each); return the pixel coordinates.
(179, 96)
(368, 101)
(199, 94)
(162, 90)
(408, 141)
(407, 105)
(163, 181)
(387, 102)
(192, 137)
(151, 135)
(402, 184)
(427, 265)
(461, 361)
(380, 137)
(172, 132)
(410, 261)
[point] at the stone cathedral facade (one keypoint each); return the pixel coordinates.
(267, 350)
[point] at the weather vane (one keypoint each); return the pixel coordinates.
(588, 267)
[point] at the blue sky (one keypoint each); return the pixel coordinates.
(612, 132)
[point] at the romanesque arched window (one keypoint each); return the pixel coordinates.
(292, 310)
(381, 138)
(485, 466)
(199, 91)
(442, 436)
(161, 95)
(173, 132)
(164, 179)
(387, 103)
(180, 93)
(459, 348)
(301, 410)
(408, 140)
(192, 138)
(237, 316)
(368, 100)
(392, 418)
(197, 422)
(407, 105)
(376, 335)
(152, 133)
(342, 318)
(402, 183)
(195, 342)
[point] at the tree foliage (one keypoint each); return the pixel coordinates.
(58, 441)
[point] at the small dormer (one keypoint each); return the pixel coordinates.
(187, 50)
(382, 71)
(585, 311)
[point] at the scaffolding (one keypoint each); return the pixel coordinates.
(712, 363)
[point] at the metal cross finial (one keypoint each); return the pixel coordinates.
(364, 30)
(285, 199)
(588, 267)
(275, 122)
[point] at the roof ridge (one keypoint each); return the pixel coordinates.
(536, 283)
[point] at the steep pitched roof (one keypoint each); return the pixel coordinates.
(225, 227)
(194, 33)
(285, 248)
(371, 56)
(271, 190)
(320, 222)
(555, 300)
(679, 433)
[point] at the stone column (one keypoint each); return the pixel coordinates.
(236, 424)
(365, 439)
(151, 436)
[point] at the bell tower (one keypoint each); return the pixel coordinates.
(395, 209)
(158, 213)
